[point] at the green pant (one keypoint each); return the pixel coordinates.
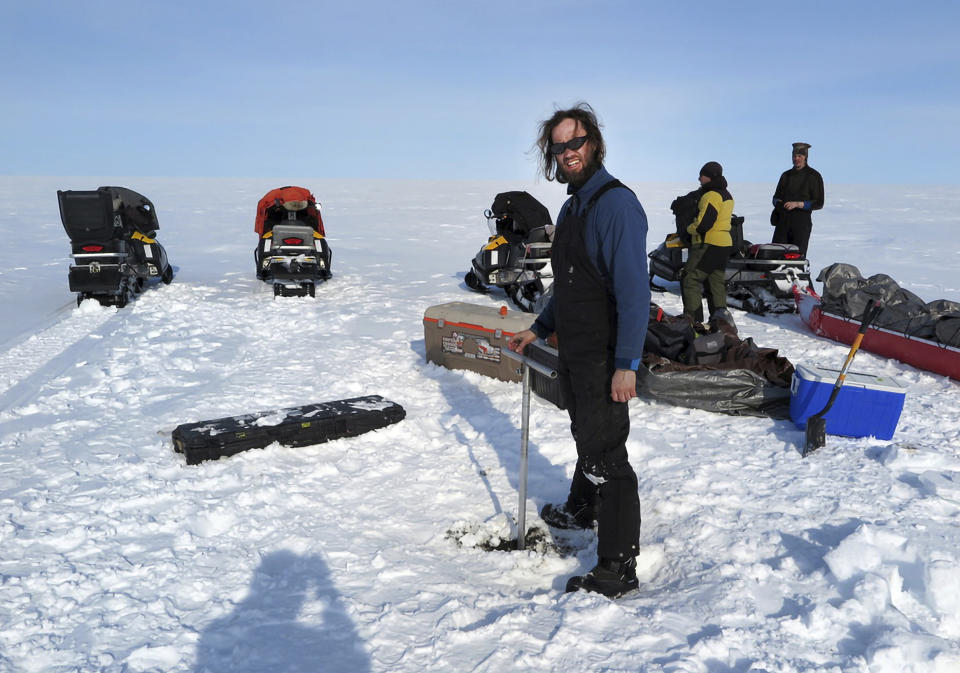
(693, 282)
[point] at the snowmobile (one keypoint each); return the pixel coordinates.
(516, 257)
(293, 254)
(760, 277)
(111, 232)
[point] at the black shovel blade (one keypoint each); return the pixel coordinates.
(816, 434)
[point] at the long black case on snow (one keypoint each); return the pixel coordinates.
(296, 426)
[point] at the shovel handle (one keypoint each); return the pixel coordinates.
(816, 425)
(869, 314)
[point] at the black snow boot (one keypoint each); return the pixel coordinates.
(567, 516)
(609, 577)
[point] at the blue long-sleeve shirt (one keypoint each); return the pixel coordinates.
(615, 236)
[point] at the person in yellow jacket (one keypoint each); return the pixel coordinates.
(710, 247)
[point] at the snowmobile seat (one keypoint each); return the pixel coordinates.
(293, 235)
(542, 234)
(536, 246)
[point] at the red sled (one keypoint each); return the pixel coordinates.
(921, 353)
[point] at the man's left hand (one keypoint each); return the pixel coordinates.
(623, 388)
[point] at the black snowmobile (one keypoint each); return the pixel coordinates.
(516, 257)
(760, 277)
(292, 253)
(112, 232)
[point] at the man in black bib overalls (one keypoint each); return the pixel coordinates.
(599, 311)
(799, 192)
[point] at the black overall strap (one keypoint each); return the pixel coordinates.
(604, 188)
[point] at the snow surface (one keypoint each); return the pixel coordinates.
(116, 556)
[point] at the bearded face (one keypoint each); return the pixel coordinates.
(575, 165)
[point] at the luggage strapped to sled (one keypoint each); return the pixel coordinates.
(289, 199)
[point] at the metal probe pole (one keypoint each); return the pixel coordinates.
(528, 364)
(524, 440)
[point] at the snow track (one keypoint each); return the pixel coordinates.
(50, 352)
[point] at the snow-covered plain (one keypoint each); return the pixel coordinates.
(116, 556)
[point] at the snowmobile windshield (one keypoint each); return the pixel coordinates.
(491, 222)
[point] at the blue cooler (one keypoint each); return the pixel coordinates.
(866, 406)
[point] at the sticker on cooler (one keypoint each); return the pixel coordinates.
(485, 351)
(452, 343)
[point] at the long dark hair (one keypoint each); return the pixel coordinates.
(582, 113)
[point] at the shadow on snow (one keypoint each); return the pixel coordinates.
(293, 619)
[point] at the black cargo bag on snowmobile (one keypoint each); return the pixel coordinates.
(518, 215)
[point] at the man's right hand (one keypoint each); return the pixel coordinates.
(520, 340)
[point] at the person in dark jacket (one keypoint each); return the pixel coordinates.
(710, 246)
(798, 193)
(599, 311)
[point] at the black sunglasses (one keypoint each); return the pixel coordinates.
(574, 144)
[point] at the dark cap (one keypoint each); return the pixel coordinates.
(801, 148)
(712, 170)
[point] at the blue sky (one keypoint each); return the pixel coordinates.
(456, 89)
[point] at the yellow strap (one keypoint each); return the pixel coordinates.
(140, 237)
(674, 241)
(495, 242)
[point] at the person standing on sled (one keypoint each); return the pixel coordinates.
(599, 311)
(710, 248)
(799, 192)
